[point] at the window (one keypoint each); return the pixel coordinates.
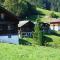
(2, 16)
(9, 27)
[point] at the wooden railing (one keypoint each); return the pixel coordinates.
(25, 34)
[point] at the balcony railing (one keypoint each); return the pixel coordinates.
(25, 34)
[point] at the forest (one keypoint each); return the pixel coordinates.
(21, 6)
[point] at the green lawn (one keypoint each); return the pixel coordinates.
(19, 52)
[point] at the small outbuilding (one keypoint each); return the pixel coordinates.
(25, 28)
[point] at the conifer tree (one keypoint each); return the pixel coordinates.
(37, 36)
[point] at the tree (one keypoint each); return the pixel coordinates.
(22, 7)
(1, 2)
(18, 7)
(37, 36)
(9, 5)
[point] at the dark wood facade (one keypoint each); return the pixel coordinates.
(8, 22)
(26, 29)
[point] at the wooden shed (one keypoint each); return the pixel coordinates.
(26, 28)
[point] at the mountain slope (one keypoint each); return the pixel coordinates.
(47, 12)
(47, 15)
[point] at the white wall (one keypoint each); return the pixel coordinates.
(14, 39)
(58, 27)
(54, 28)
(51, 27)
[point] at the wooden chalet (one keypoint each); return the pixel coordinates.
(26, 28)
(55, 24)
(8, 26)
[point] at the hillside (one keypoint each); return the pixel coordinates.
(19, 52)
(46, 14)
(46, 4)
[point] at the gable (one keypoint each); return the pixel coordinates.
(25, 23)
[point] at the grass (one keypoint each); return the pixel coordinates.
(46, 13)
(53, 39)
(34, 52)
(19, 52)
(56, 39)
(29, 40)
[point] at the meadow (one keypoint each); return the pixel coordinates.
(20, 52)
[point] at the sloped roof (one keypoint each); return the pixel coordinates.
(3, 10)
(21, 23)
(55, 21)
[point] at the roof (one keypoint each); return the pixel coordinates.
(2, 9)
(55, 21)
(21, 23)
(35, 22)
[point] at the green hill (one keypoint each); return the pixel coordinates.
(46, 17)
(19, 52)
(47, 12)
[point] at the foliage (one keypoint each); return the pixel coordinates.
(53, 5)
(53, 15)
(1, 2)
(47, 13)
(47, 4)
(29, 8)
(37, 35)
(51, 39)
(10, 5)
(16, 6)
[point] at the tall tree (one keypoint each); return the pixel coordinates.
(20, 6)
(38, 3)
(37, 35)
(16, 6)
(8, 4)
(1, 2)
